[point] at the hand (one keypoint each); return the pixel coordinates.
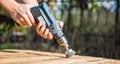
(22, 15)
(44, 32)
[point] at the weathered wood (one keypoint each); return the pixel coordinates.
(38, 57)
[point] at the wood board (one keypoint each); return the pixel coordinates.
(40, 57)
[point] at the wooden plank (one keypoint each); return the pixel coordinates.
(38, 57)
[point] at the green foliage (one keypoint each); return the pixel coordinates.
(94, 6)
(8, 46)
(20, 28)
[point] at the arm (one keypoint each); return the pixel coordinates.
(33, 2)
(14, 3)
(22, 15)
(19, 12)
(11, 4)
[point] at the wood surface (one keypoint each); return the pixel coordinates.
(40, 57)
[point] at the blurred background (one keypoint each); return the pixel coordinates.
(92, 28)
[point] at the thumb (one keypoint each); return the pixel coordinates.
(61, 24)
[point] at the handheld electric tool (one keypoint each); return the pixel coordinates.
(43, 14)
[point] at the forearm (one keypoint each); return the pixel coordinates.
(33, 2)
(9, 5)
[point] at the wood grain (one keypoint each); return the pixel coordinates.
(39, 57)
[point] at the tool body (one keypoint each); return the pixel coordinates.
(43, 14)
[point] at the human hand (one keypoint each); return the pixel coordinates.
(22, 15)
(44, 32)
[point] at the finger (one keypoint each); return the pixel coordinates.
(19, 22)
(38, 28)
(23, 22)
(32, 20)
(60, 24)
(27, 19)
(50, 36)
(45, 33)
(42, 29)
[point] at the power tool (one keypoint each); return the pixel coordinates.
(42, 13)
